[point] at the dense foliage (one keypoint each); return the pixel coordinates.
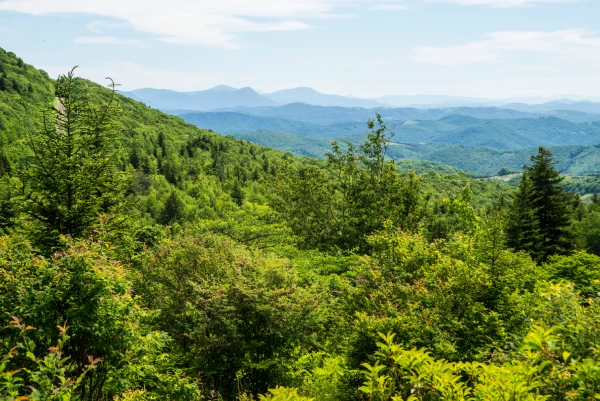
(215, 269)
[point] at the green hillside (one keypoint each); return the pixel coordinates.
(143, 258)
(167, 154)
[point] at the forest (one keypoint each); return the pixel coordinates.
(143, 258)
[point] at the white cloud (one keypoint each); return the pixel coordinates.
(205, 22)
(388, 7)
(504, 3)
(575, 45)
(103, 26)
(104, 40)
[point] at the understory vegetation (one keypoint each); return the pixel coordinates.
(142, 258)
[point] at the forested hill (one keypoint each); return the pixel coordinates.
(207, 172)
(21, 87)
(143, 258)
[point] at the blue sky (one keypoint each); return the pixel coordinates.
(367, 48)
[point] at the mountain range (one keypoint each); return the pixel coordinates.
(476, 135)
(217, 97)
(481, 140)
(223, 96)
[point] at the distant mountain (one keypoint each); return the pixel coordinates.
(558, 105)
(431, 101)
(309, 113)
(218, 97)
(311, 96)
(224, 88)
(454, 129)
(231, 123)
(296, 144)
(331, 115)
(530, 105)
(461, 120)
(232, 99)
(494, 134)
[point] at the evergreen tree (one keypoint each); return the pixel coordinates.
(71, 177)
(5, 167)
(541, 215)
(169, 171)
(237, 193)
(522, 229)
(15, 85)
(172, 211)
(162, 143)
(134, 158)
(552, 205)
(5, 84)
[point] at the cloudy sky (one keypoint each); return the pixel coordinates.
(367, 48)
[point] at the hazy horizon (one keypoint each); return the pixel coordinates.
(488, 49)
(536, 99)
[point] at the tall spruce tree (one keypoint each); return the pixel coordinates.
(541, 215)
(71, 177)
(522, 228)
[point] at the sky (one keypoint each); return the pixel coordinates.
(494, 49)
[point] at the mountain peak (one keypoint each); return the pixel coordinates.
(247, 90)
(223, 88)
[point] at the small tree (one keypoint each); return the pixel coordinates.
(172, 211)
(340, 207)
(70, 177)
(371, 189)
(237, 193)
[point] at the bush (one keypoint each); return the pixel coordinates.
(581, 269)
(86, 288)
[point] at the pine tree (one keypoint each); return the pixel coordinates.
(5, 167)
(541, 214)
(71, 176)
(552, 204)
(134, 158)
(172, 211)
(522, 229)
(5, 84)
(237, 193)
(162, 143)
